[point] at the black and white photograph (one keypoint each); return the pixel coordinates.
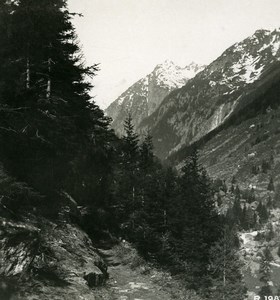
(139, 150)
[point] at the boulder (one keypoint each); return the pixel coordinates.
(95, 278)
(52, 260)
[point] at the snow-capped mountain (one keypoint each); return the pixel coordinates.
(223, 88)
(144, 97)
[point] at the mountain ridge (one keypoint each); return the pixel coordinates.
(208, 99)
(144, 96)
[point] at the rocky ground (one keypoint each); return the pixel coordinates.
(131, 278)
(41, 259)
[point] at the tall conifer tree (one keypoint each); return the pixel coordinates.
(225, 268)
(200, 226)
(265, 273)
(49, 126)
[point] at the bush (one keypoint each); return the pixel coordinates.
(129, 255)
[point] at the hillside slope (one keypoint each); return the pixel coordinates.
(249, 151)
(246, 146)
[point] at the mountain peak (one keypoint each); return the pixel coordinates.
(144, 96)
(173, 76)
(167, 64)
(170, 64)
(262, 32)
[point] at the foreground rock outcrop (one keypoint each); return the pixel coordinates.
(43, 259)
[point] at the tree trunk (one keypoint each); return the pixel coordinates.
(28, 74)
(49, 79)
(133, 207)
(164, 218)
(224, 270)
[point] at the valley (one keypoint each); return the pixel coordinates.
(172, 192)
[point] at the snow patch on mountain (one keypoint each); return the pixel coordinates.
(275, 48)
(246, 70)
(273, 45)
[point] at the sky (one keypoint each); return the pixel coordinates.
(128, 38)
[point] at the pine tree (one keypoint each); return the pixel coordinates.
(262, 211)
(248, 218)
(224, 187)
(237, 192)
(265, 166)
(127, 194)
(156, 191)
(269, 203)
(131, 140)
(255, 170)
(171, 217)
(271, 159)
(269, 232)
(146, 152)
(226, 276)
(251, 196)
(198, 218)
(152, 214)
(270, 186)
(237, 211)
(43, 52)
(50, 129)
(265, 271)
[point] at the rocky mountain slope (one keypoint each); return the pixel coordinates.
(246, 146)
(144, 97)
(249, 151)
(227, 85)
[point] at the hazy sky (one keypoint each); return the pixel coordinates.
(129, 37)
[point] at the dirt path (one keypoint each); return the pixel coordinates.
(127, 284)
